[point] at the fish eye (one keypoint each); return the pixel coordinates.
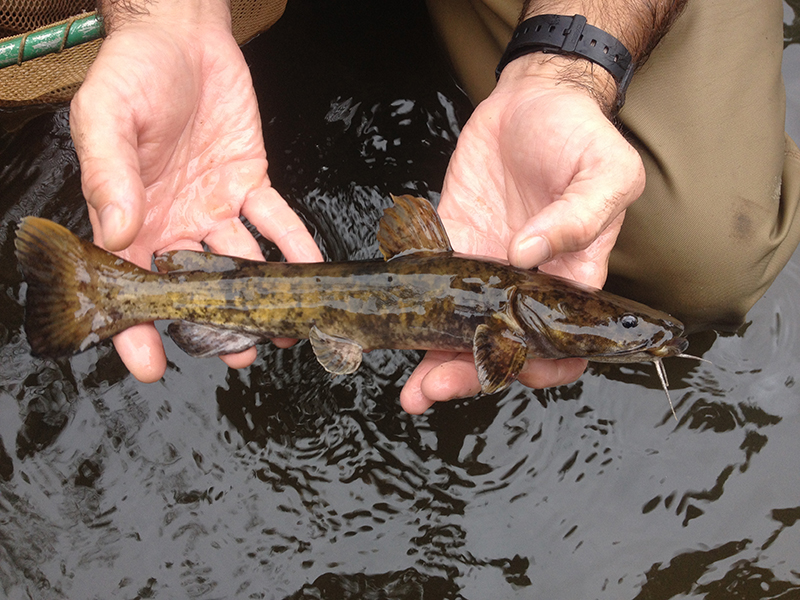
(629, 321)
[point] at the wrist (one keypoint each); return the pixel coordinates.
(573, 36)
(569, 71)
(117, 14)
(616, 35)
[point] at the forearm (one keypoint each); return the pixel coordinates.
(638, 24)
(117, 13)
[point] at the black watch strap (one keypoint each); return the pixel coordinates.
(561, 34)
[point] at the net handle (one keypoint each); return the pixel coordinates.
(50, 39)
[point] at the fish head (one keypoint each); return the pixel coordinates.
(563, 318)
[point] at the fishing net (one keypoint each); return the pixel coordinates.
(57, 76)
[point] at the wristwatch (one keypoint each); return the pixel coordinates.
(561, 34)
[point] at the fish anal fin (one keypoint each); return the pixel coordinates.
(203, 341)
(338, 355)
(189, 260)
(500, 352)
(411, 226)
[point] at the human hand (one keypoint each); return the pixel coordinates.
(168, 134)
(540, 176)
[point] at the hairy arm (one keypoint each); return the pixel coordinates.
(117, 14)
(638, 24)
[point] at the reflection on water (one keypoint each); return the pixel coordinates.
(791, 29)
(278, 481)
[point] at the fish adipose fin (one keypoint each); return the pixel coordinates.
(337, 355)
(500, 351)
(188, 260)
(411, 226)
(72, 289)
(203, 341)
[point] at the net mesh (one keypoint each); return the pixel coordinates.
(19, 16)
(56, 77)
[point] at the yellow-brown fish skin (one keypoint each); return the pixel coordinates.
(411, 302)
(425, 298)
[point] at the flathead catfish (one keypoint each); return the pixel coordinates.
(422, 296)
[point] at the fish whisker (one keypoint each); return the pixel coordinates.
(705, 360)
(662, 375)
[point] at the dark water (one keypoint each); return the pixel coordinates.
(278, 481)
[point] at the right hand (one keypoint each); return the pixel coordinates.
(539, 176)
(168, 134)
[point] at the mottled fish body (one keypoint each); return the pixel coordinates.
(423, 296)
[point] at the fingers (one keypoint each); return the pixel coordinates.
(443, 376)
(240, 360)
(141, 350)
(413, 400)
(232, 238)
(268, 211)
(540, 374)
(456, 378)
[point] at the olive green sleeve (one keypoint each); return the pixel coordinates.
(719, 216)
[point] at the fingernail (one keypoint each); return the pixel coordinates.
(111, 221)
(532, 252)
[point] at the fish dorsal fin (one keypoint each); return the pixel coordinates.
(189, 260)
(500, 350)
(411, 226)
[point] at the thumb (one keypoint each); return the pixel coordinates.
(574, 221)
(112, 185)
(567, 225)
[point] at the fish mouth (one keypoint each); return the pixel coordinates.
(673, 347)
(646, 353)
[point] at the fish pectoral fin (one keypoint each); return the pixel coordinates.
(500, 353)
(189, 260)
(202, 341)
(411, 226)
(338, 355)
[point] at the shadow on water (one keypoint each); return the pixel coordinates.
(278, 481)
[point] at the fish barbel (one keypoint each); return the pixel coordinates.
(422, 296)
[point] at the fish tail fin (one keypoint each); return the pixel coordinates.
(68, 300)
